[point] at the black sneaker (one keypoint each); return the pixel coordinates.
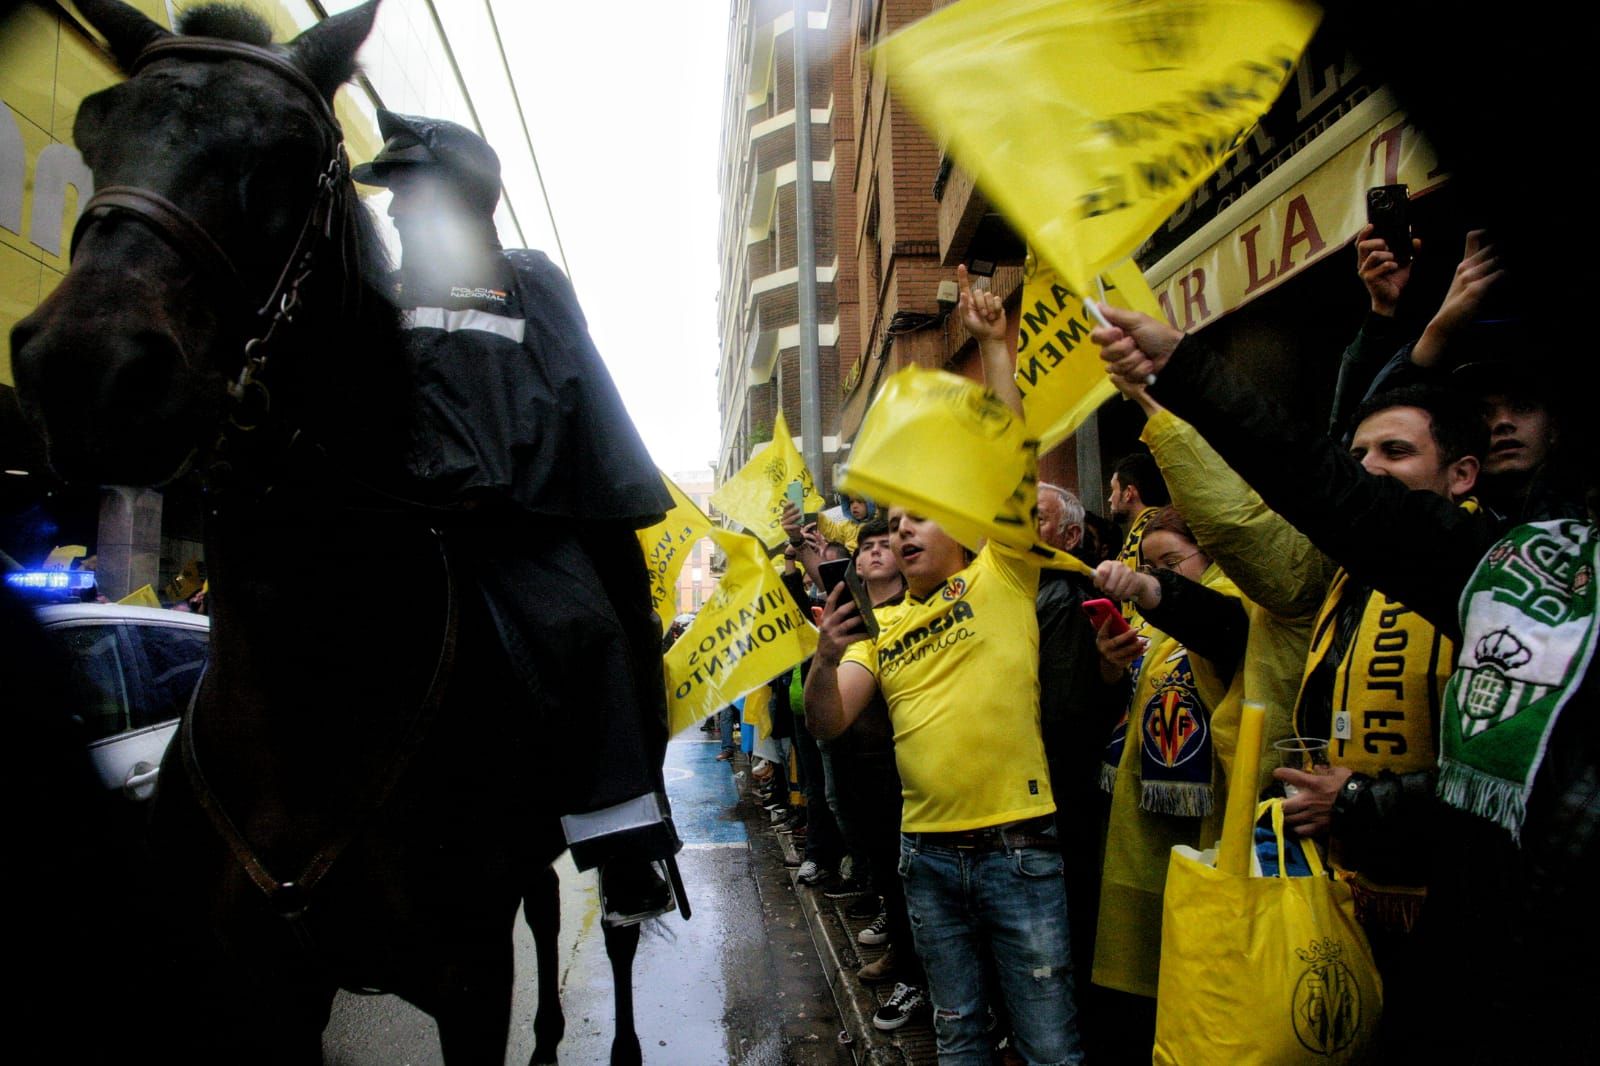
(904, 1002)
(846, 888)
(867, 906)
(876, 933)
(632, 891)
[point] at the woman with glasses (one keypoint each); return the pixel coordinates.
(1164, 762)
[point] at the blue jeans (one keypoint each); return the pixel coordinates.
(1012, 902)
(725, 719)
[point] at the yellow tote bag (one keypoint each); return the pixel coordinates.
(1262, 971)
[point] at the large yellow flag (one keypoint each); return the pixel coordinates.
(754, 496)
(666, 545)
(1090, 121)
(945, 447)
(1059, 371)
(747, 633)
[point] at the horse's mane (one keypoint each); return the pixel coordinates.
(231, 22)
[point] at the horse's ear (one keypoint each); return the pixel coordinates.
(327, 51)
(127, 30)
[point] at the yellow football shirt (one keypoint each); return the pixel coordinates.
(960, 673)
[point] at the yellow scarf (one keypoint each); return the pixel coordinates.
(1387, 687)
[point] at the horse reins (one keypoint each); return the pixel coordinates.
(171, 223)
(251, 401)
(290, 898)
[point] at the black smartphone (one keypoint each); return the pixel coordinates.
(1387, 211)
(858, 592)
(836, 570)
(832, 572)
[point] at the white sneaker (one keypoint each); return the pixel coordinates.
(808, 873)
(876, 932)
(905, 1001)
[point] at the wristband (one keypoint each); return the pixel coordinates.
(1349, 793)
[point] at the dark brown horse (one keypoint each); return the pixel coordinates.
(354, 799)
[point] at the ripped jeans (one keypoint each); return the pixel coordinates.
(967, 893)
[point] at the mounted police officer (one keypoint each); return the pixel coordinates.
(519, 428)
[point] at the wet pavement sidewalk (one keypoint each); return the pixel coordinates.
(835, 948)
(741, 983)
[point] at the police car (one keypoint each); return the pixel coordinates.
(135, 669)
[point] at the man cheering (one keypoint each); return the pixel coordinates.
(957, 663)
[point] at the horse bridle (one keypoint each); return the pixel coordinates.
(248, 392)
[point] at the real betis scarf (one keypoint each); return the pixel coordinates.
(1528, 624)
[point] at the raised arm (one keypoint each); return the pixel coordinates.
(1416, 546)
(984, 315)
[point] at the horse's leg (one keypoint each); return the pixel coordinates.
(541, 908)
(474, 1016)
(621, 944)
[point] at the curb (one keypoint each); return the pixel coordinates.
(841, 956)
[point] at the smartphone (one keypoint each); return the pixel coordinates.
(832, 572)
(797, 495)
(836, 570)
(1387, 211)
(858, 592)
(1099, 612)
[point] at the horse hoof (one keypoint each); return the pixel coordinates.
(626, 1053)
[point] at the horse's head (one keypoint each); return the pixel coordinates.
(212, 165)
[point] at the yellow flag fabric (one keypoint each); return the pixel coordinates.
(143, 596)
(747, 633)
(666, 545)
(757, 712)
(1088, 122)
(944, 447)
(754, 496)
(62, 556)
(1059, 371)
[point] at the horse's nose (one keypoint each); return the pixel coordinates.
(64, 367)
(143, 370)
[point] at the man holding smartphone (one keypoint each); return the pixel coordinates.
(957, 664)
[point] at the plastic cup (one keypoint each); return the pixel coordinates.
(1302, 753)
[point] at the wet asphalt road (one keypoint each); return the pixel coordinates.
(740, 983)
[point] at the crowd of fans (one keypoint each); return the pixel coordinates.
(1007, 777)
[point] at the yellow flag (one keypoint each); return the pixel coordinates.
(747, 633)
(754, 496)
(62, 556)
(1088, 122)
(1059, 371)
(143, 596)
(944, 447)
(666, 545)
(757, 713)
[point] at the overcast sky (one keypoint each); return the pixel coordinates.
(624, 106)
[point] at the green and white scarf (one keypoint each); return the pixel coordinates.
(1528, 624)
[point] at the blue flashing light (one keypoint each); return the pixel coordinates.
(50, 580)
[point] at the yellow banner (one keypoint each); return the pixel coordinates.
(754, 496)
(666, 545)
(1059, 371)
(757, 713)
(946, 448)
(1088, 122)
(1300, 225)
(747, 633)
(143, 596)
